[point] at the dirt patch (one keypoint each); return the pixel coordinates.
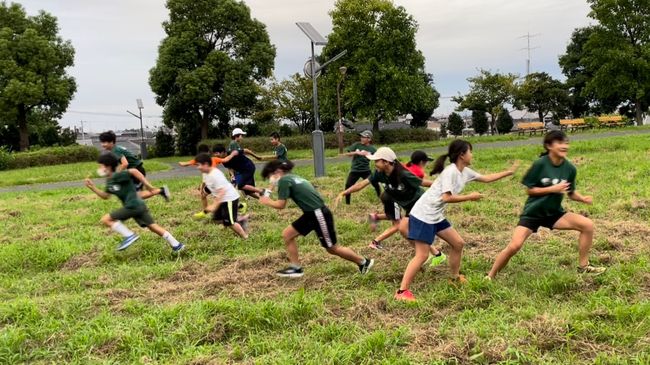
(88, 259)
(546, 333)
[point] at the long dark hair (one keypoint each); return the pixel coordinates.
(275, 165)
(395, 177)
(553, 136)
(456, 149)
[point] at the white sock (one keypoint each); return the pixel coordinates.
(169, 238)
(120, 228)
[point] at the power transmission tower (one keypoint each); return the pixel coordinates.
(528, 48)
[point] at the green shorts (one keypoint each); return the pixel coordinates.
(140, 214)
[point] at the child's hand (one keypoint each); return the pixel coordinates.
(265, 200)
(588, 200)
(337, 200)
(562, 187)
(514, 166)
(89, 183)
(475, 196)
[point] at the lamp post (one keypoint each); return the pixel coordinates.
(339, 129)
(143, 144)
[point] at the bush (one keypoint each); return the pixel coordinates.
(164, 144)
(5, 159)
(49, 156)
(592, 121)
(303, 142)
(455, 124)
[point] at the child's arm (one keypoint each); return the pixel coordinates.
(138, 175)
(102, 194)
(277, 204)
(553, 189)
(499, 175)
(124, 163)
(229, 157)
(217, 201)
(352, 189)
(187, 163)
(449, 198)
(427, 183)
(575, 196)
(246, 150)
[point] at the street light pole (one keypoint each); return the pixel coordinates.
(339, 130)
(143, 144)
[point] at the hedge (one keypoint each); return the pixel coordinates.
(303, 142)
(47, 156)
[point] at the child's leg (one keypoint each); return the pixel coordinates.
(346, 253)
(421, 255)
(117, 225)
(289, 236)
(252, 191)
(404, 231)
(456, 242)
(146, 194)
(388, 232)
(164, 234)
(584, 225)
(519, 236)
(239, 230)
(351, 180)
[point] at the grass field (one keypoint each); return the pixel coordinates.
(67, 297)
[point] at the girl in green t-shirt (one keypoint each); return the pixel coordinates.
(547, 181)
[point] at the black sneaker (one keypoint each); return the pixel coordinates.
(366, 267)
(291, 272)
(165, 193)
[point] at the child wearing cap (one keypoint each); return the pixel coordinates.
(360, 164)
(241, 166)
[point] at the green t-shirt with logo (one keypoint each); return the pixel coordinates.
(280, 152)
(234, 146)
(361, 163)
(121, 185)
(543, 174)
(301, 191)
(405, 193)
(120, 151)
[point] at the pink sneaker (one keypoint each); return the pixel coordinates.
(406, 296)
(375, 245)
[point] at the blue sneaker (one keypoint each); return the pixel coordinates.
(127, 242)
(178, 248)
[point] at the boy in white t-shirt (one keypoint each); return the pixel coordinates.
(427, 218)
(226, 199)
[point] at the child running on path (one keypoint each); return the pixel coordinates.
(316, 217)
(428, 215)
(120, 184)
(360, 164)
(279, 149)
(547, 181)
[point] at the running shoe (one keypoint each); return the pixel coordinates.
(376, 245)
(406, 296)
(437, 260)
(178, 248)
(365, 267)
(165, 193)
(127, 242)
(589, 269)
(291, 272)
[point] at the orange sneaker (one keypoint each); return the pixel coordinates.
(406, 296)
(460, 279)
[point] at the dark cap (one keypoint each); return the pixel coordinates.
(419, 156)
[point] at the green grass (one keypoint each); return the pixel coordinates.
(67, 297)
(68, 172)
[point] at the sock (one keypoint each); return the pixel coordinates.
(439, 254)
(120, 228)
(169, 238)
(365, 260)
(295, 266)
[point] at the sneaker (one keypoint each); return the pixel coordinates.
(589, 269)
(375, 245)
(243, 208)
(406, 296)
(178, 248)
(291, 272)
(127, 242)
(424, 265)
(373, 221)
(200, 215)
(165, 193)
(366, 266)
(437, 260)
(244, 225)
(487, 278)
(458, 280)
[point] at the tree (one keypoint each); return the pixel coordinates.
(618, 52)
(542, 94)
(164, 144)
(480, 121)
(209, 65)
(505, 121)
(33, 63)
(455, 124)
(424, 103)
(488, 91)
(293, 101)
(384, 67)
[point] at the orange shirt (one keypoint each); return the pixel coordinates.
(216, 161)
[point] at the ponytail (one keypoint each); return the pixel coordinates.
(439, 165)
(456, 149)
(275, 165)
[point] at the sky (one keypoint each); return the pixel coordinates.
(117, 41)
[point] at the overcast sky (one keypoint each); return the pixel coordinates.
(116, 44)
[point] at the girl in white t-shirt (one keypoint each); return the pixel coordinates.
(427, 219)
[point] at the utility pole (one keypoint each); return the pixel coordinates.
(83, 136)
(143, 144)
(528, 48)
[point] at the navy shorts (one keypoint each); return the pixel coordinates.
(425, 232)
(243, 179)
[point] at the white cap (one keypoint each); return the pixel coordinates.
(383, 153)
(237, 131)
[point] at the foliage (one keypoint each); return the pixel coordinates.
(292, 100)
(541, 93)
(455, 124)
(33, 63)
(424, 103)
(51, 156)
(210, 64)
(164, 144)
(384, 67)
(505, 121)
(490, 92)
(480, 122)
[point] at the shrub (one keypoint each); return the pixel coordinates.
(51, 156)
(592, 121)
(164, 144)
(5, 159)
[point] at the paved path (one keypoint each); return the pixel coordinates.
(180, 172)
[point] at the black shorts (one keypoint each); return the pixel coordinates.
(140, 214)
(138, 184)
(243, 179)
(534, 223)
(321, 221)
(391, 209)
(227, 213)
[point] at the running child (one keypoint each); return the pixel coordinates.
(127, 160)
(360, 164)
(120, 184)
(225, 205)
(316, 217)
(428, 215)
(241, 166)
(279, 149)
(547, 181)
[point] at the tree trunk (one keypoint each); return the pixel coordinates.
(205, 120)
(375, 125)
(493, 125)
(639, 112)
(22, 128)
(541, 116)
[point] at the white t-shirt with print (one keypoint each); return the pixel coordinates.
(430, 208)
(216, 180)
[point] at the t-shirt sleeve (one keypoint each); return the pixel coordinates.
(572, 179)
(372, 149)
(471, 175)
(446, 181)
(118, 151)
(352, 148)
(284, 189)
(411, 180)
(216, 161)
(373, 178)
(531, 178)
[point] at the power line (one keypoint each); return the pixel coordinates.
(110, 114)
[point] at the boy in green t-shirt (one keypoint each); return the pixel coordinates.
(316, 217)
(128, 160)
(360, 163)
(279, 149)
(120, 184)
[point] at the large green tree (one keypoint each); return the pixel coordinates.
(455, 124)
(490, 92)
(384, 67)
(210, 64)
(292, 99)
(541, 93)
(618, 52)
(33, 64)
(424, 103)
